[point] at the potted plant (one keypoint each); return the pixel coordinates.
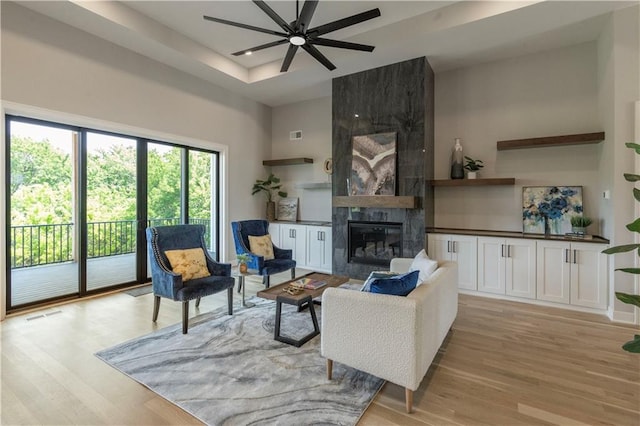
(267, 186)
(243, 258)
(579, 224)
(472, 166)
(632, 299)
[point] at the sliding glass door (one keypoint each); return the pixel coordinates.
(111, 210)
(78, 201)
(202, 196)
(42, 231)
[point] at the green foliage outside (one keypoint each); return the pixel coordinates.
(42, 194)
(632, 299)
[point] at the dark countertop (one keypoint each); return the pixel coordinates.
(511, 234)
(304, 222)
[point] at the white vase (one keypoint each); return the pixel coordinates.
(472, 175)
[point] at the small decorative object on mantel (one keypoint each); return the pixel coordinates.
(457, 169)
(579, 225)
(267, 186)
(472, 166)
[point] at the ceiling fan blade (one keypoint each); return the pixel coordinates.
(319, 56)
(304, 19)
(341, 44)
(262, 46)
(273, 15)
(288, 58)
(342, 23)
(245, 26)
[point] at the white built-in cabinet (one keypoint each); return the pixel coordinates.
(507, 266)
(319, 248)
(294, 237)
(311, 245)
(571, 272)
(564, 272)
(458, 248)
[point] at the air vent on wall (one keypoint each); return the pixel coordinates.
(295, 135)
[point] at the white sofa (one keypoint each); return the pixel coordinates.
(392, 337)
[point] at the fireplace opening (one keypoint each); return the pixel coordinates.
(374, 243)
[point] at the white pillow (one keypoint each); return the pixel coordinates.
(423, 264)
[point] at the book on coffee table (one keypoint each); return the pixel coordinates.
(309, 283)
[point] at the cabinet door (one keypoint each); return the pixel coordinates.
(327, 261)
(315, 247)
(520, 268)
(274, 231)
(553, 271)
(588, 275)
(293, 237)
(491, 265)
(439, 247)
(464, 250)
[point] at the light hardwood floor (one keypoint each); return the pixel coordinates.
(504, 363)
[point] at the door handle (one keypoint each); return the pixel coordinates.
(575, 256)
(501, 250)
(448, 246)
(508, 250)
(453, 247)
(566, 255)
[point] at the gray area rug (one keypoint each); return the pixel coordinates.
(139, 291)
(229, 371)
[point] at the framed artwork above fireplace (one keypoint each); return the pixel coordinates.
(373, 164)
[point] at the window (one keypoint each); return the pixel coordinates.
(79, 200)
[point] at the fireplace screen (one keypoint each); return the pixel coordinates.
(374, 243)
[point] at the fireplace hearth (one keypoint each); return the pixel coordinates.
(374, 243)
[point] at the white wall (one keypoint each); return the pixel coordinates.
(619, 84)
(314, 119)
(545, 94)
(57, 68)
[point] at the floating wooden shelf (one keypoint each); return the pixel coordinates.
(578, 139)
(381, 201)
(287, 161)
(473, 182)
(314, 185)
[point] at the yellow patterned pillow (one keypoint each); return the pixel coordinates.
(262, 246)
(190, 263)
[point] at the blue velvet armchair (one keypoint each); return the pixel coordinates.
(168, 284)
(283, 258)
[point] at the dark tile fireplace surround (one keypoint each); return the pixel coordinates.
(395, 98)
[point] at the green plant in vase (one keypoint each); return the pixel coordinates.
(579, 224)
(632, 299)
(472, 166)
(269, 186)
(243, 259)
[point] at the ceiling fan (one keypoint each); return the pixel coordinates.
(298, 33)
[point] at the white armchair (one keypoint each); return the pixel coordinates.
(392, 337)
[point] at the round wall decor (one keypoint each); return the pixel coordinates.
(328, 166)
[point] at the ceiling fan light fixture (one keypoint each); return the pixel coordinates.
(297, 40)
(298, 33)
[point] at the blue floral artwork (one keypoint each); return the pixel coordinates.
(550, 205)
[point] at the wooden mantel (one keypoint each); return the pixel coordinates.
(380, 201)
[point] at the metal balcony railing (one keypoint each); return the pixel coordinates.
(34, 245)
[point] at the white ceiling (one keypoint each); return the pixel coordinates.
(450, 34)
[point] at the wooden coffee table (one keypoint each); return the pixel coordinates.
(303, 299)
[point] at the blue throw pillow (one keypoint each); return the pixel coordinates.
(377, 274)
(400, 285)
